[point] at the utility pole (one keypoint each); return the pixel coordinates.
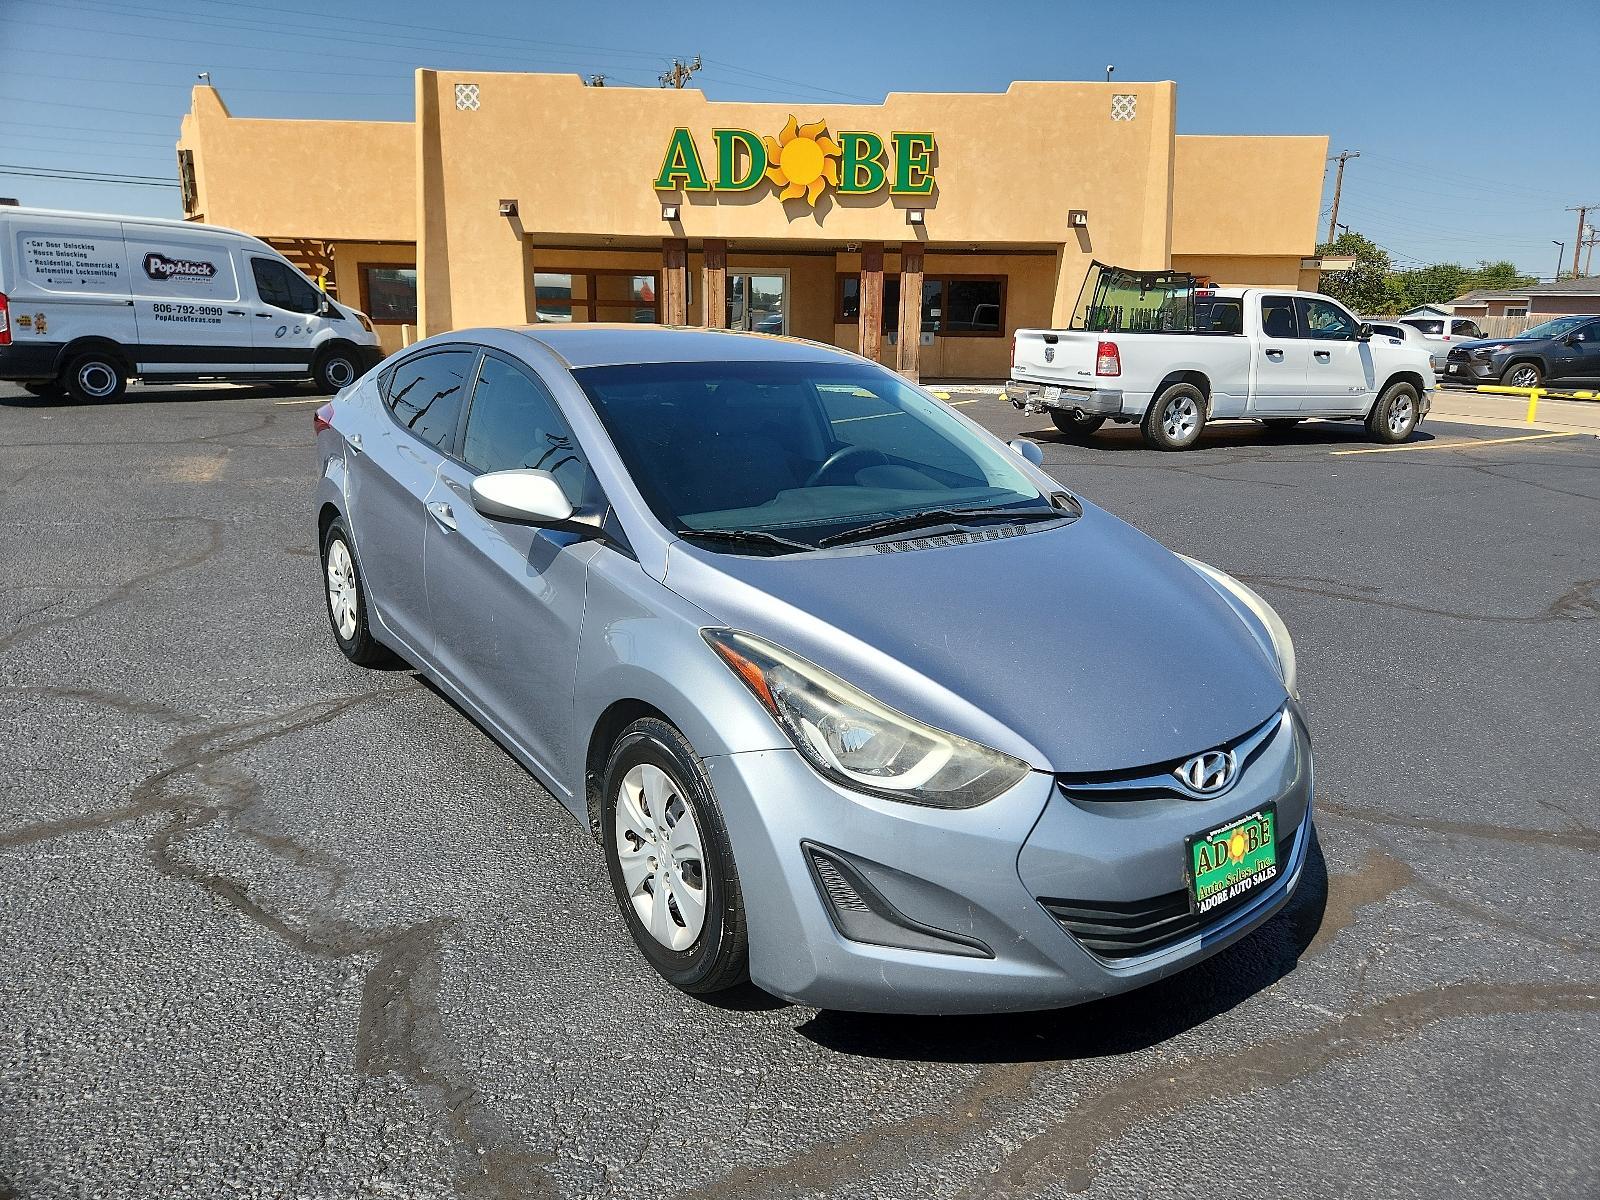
(1577, 247)
(1561, 254)
(677, 75)
(1588, 259)
(1338, 185)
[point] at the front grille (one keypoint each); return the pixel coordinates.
(1158, 782)
(1118, 929)
(1457, 355)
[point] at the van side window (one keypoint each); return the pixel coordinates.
(426, 393)
(279, 285)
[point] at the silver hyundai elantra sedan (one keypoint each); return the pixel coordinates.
(859, 703)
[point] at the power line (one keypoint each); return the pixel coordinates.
(80, 177)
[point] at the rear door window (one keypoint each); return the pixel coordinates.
(426, 393)
(1277, 317)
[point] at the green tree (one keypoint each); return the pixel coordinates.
(1363, 288)
(1501, 276)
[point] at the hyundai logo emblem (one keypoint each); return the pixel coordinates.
(1209, 773)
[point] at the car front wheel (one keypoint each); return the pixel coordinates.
(671, 864)
(1522, 375)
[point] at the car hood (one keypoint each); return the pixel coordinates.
(1494, 344)
(1085, 647)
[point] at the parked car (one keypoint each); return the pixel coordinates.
(1444, 329)
(763, 616)
(1151, 348)
(1406, 335)
(88, 302)
(1563, 348)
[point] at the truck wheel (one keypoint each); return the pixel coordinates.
(1075, 424)
(1175, 418)
(1522, 375)
(1394, 417)
(95, 378)
(335, 370)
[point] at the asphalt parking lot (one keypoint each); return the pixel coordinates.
(271, 925)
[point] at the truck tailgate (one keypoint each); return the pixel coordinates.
(1055, 356)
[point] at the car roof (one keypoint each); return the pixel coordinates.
(599, 344)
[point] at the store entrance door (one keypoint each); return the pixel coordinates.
(758, 301)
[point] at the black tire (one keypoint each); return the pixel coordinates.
(1394, 417)
(355, 640)
(1279, 424)
(1175, 418)
(335, 369)
(1075, 424)
(1522, 375)
(96, 377)
(719, 956)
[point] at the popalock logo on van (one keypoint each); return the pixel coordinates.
(159, 266)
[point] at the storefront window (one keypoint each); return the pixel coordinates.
(756, 302)
(389, 294)
(952, 305)
(599, 295)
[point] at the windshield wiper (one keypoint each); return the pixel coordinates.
(745, 537)
(937, 516)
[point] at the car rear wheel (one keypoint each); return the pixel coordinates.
(1394, 417)
(670, 861)
(1175, 418)
(1075, 424)
(1522, 375)
(95, 378)
(347, 601)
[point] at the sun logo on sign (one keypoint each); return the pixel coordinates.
(802, 160)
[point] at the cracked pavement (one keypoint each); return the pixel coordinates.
(271, 925)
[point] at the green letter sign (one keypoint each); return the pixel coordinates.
(728, 142)
(913, 164)
(681, 166)
(861, 170)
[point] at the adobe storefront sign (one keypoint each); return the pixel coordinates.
(801, 163)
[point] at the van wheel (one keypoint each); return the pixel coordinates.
(1075, 424)
(1394, 417)
(95, 378)
(335, 370)
(1175, 418)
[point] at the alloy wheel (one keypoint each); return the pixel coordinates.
(662, 856)
(342, 588)
(1180, 419)
(1524, 377)
(1401, 415)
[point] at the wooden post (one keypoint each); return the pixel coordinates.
(910, 309)
(674, 282)
(869, 306)
(714, 292)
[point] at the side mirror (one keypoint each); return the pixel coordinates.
(530, 497)
(1364, 334)
(1028, 450)
(1570, 340)
(324, 305)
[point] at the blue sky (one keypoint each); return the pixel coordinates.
(1462, 158)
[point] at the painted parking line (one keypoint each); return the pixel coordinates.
(1459, 445)
(308, 400)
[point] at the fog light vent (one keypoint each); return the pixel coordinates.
(862, 914)
(837, 887)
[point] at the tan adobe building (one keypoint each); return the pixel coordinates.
(948, 220)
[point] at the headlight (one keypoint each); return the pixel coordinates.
(366, 321)
(852, 739)
(1282, 646)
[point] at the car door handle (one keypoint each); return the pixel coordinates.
(1275, 355)
(265, 316)
(354, 442)
(236, 312)
(1322, 354)
(442, 514)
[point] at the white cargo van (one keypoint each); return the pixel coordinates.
(89, 301)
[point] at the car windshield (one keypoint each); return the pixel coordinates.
(782, 455)
(1555, 328)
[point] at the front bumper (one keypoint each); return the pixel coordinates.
(981, 875)
(1038, 397)
(1471, 371)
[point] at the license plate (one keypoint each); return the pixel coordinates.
(1052, 393)
(1233, 861)
(1453, 367)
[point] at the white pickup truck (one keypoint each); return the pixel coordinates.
(1153, 348)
